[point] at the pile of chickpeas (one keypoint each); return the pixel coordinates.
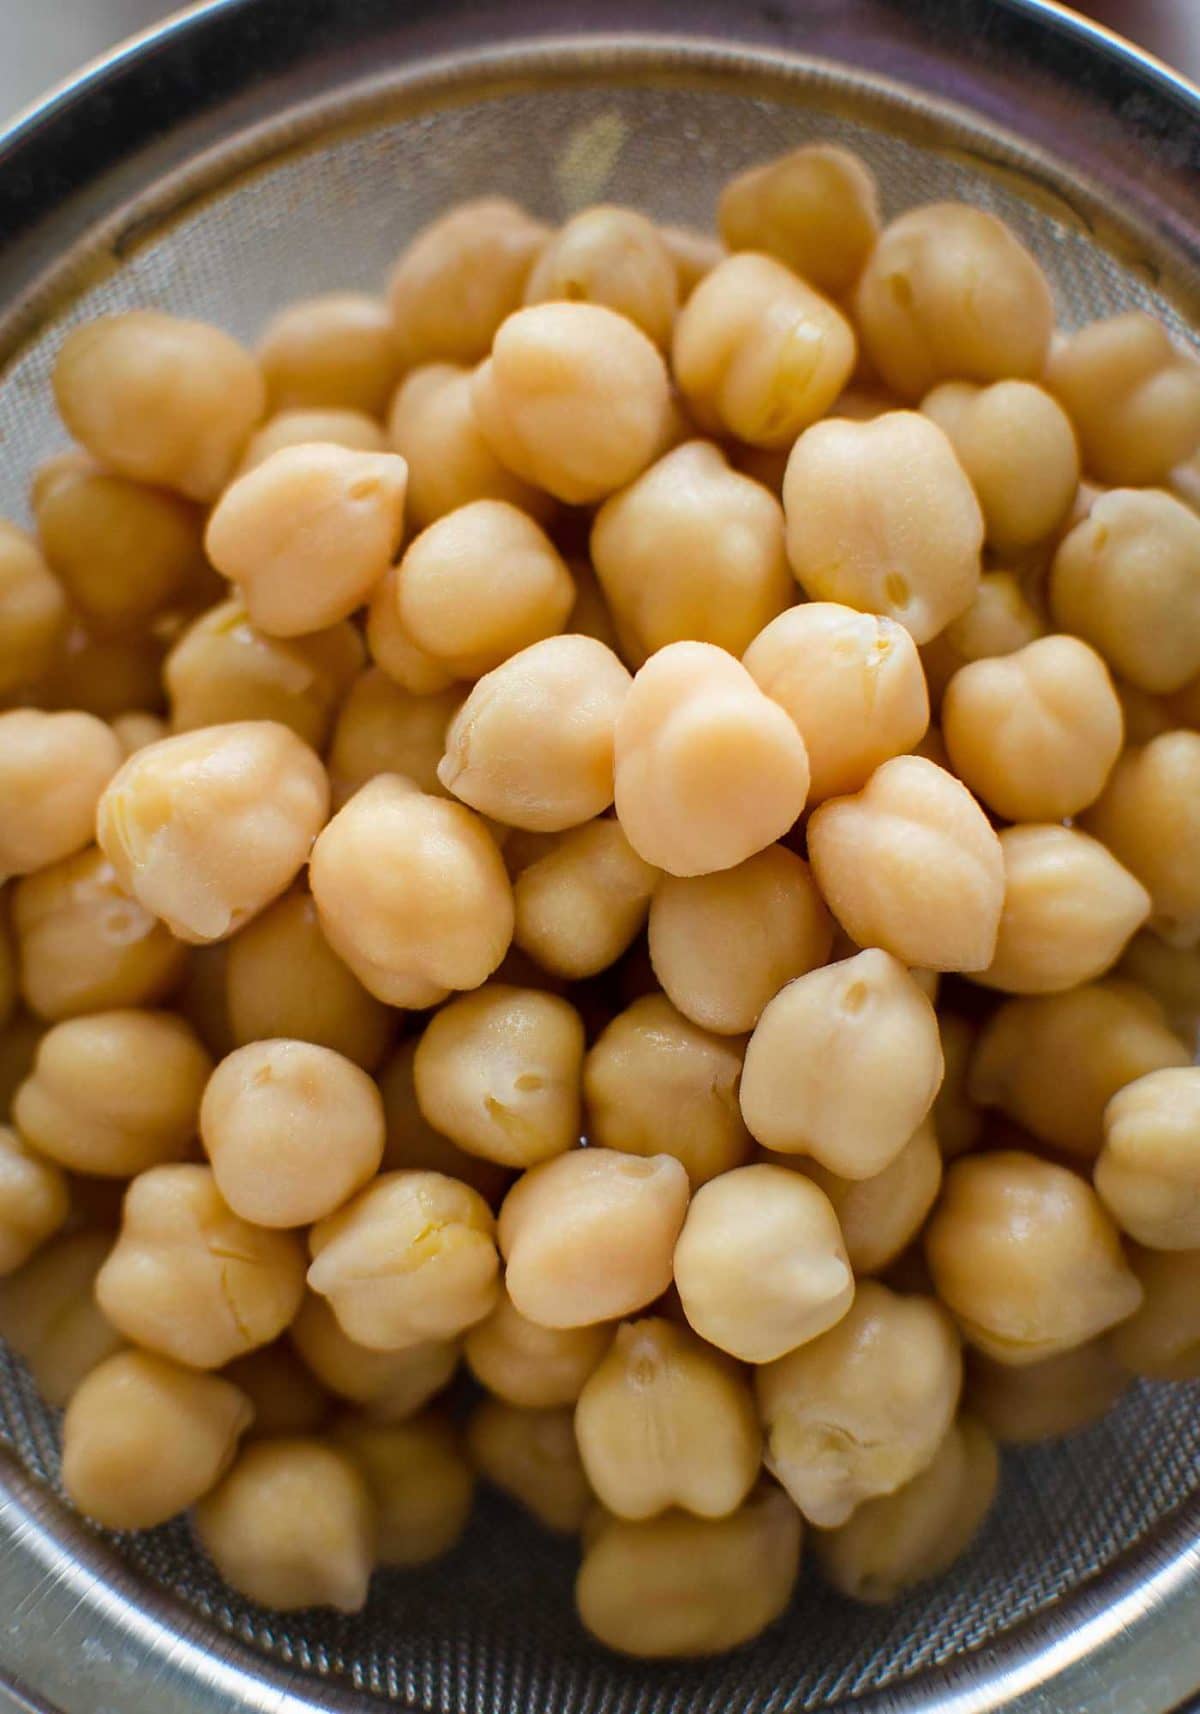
(624, 820)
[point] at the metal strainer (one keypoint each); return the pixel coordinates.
(260, 149)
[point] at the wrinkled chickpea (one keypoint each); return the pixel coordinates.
(33, 611)
(610, 256)
(337, 351)
(1000, 620)
(1161, 1340)
(815, 209)
(1049, 1399)
(354, 430)
(1149, 817)
(431, 424)
(589, 1236)
(50, 1317)
(285, 1395)
(880, 1216)
(382, 728)
(534, 1367)
(1148, 1172)
(34, 1201)
(421, 1486)
(581, 903)
(390, 1386)
(413, 1142)
(531, 1455)
(53, 769)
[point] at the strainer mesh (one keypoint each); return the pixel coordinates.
(491, 1629)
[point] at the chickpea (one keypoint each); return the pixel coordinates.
(291, 1526)
(432, 425)
(760, 1264)
(86, 945)
(135, 730)
(957, 1121)
(1127, 579)
(1133, 398)
(53, 769)
(393, 648)
(1069, 909)
(1000, 620)
(1148, 1172)
(1172, 975)
(383, 729)
(144, 1438)
(203, 1000)
(308, 533)
(862, 1409)
(285, 1395)
(34, 1201)
(1017, 445)
(354, 430)
(408, 1260)
(460, 277)
(159, 399)
(33, 611)
(1052, 1062)
(190, 1279)
(580, 904)
(336, 351)
(948, 293)
(1046, 1400)
(390, 1386)
(411, 893)
(875, 857)
(412, 1140)
(615, 257)
(206, 828)
(588, 1236)
(881, 1216)
(1161, 1340)
(537, 1368)
(421, 1485)
(103, 675)
(897, 1540)
(1149, 817)
(532, 745)
(815, 209)
(531, 1455)
(49, 1315)
(881, 516)
(694, 254)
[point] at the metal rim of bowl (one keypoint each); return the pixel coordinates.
(1117, 118)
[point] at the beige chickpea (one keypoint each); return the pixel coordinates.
(498, 1072)
(103, 675)
(948, 293)
(610, 256)
(308, 533)
(1149, 817)
(757, 353)
(393, 647)
(291, 1526)
(956, 1119)
(1127, 579)
(852, 683)
(708, 769)
(862, 1409)
(816, 209)
(1172, 975)
(531, 1455)
(1046, 1400)
(1000, 620)
(589, 1236)
(34, 1201)
(684, 1586)
(881, 517)
(137, 729)
(532, 746)
(206, 828)
(50, 1317)
(901, 1539)
(694, 253)
(1017, 445)
(460, 277)
(1052, 1062)
(1148, 1172)
(285, 1395)
(334, 351)
(420, 1483)
(381, 728)
(144, 1438)
(86, 945)
(190, 1279)
(1024, 1256)
(53, 769)
(159, 399)
(1133, 397)
(581, 902)
(352, 429)
(760, 1265)
(390, 1386)
(912, 865)
(880, 1216)
(33, 611)
(412, 1141)
(657, 1084)
(664, 1421)
(410, 1259)
(1161, 1340)
(844, 1065)
(412, 893)
(1069, 909)
(537, 1368)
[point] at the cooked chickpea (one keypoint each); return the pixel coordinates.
(532, 746)
(1025, 1257)
(581, 902)
(615, 257)
(291, 1526)
(1133, 398)
(190, 1279)
(460, 277)
(352, 429)
(534, 1367)
(911, 864)
(103, 675)
(394, 650)
(1161, 1340)
(880, 1216)
(862, 1409)
(1017, 445)
(1046, 1400)
(53, 769)
(412, 893)
(589, 1235)
(881, 517)
(390, 1386)
(413, 1142)
(1149, 817)
(760, 1265)
(144, 1438)
(33, 611)
(160, 399)
(1000, 620)
(694, 254)
(757, 353)
(203, 999)
(285, 1395)
(1172, 975)
(904, 1538)
(206, 828)
(1069, 909)
(410, 1259)
(50, 1317)
(948, 293)
(432, 425)
(852, 683)
(382, 728)
(337, 351)
(34, 1201)
(1148, 1172)
(531, 1455)
(420, 1483)
(1127, 579)
(816, 209)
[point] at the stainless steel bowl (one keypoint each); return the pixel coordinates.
(255, 149)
